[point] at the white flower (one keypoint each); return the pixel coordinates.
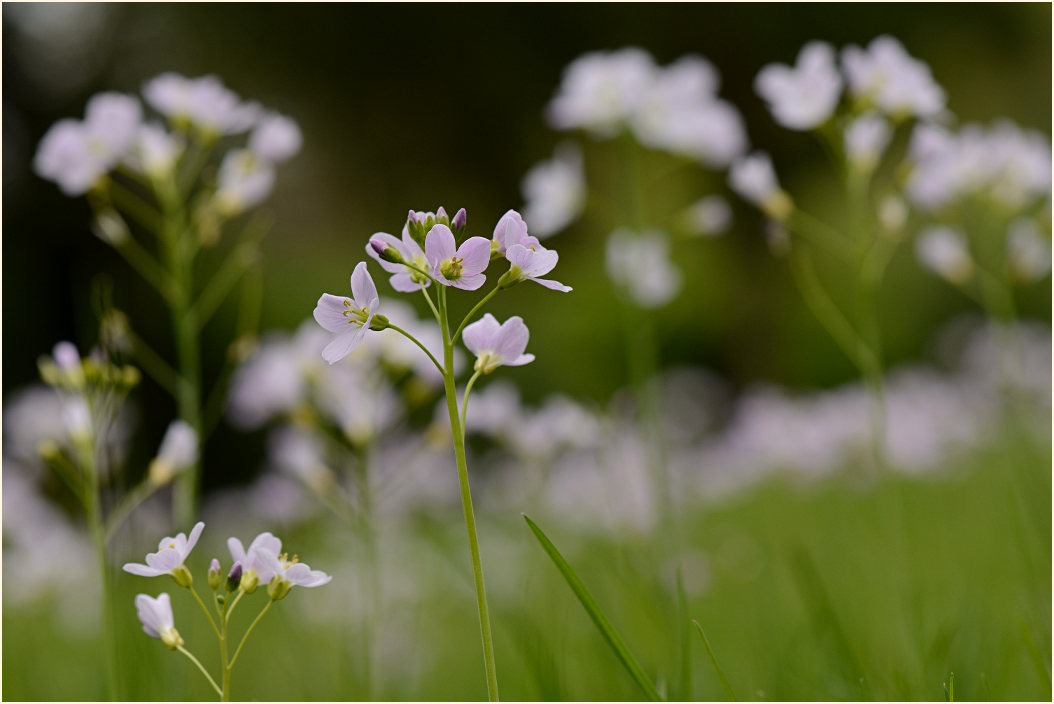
(943, 250)
(530, 262)
(204, 102)
(600, 91)
(156, 151)
(805, 96)
(179, 450)
(555, 191)
(866, 138)
(640, 265)
(710, 215)
(245, 180)
(250, 559)
(169, 558)
(75, 154)
(287, 573)
(76, 416)
(753, 178)
(350, 318)
(1028, 252)
(269, 383)
(276, 138)
(495, 345)
(156, 617)
(887, 76)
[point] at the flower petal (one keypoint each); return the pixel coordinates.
(479, 335)
(439, 245)
(520, 361)
(404, 283)
(329, 312)
(511, 339)
(363, 289)
(510, 230)
(391, 241)
(143, 570)
(343, 344)
(237, 550)
(470, 282)
(475, 255)
(195, 533)
(554, 285)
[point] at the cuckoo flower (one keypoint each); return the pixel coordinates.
(287, 573)
(510, 230)
(403, 279)
(496, 345)
(461, 267)
(530, 262)
(249, 560)
(805, 96)
(169, 558)
(157, 620)
(350, 318)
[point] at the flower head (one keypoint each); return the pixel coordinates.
(510, 230)
(202, 102)
(805, 96)
(529, 262)
(461, 267)
(247, 561)
(245, 180)
(403, 279)
(555, 191)
(275, 138)
(179, 450)
(351, 317)
(640, 265)
(943, 250)
(157, 620)
(601, 90)
(866, 138)
(754, 179)
(169, 558)
(287, 573)
(495, 345)
(887, 76)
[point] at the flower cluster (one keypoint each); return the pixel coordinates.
(115, 135)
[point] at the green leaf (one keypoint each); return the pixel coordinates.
(601, 621)
(713, 661)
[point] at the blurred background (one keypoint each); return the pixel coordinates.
(416, 106)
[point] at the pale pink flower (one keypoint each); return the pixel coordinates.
(350, 318)
(530, 262)
(156, 617)
(170, 555)
(461, 267)
(495, 345)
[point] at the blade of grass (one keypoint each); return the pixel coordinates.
(713, 661)
(684, 684)
(599, 619)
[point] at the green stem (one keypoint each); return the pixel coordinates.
(124, 508)
(230, 608)
(201, 667)
(475, 309)
(223, 281)
(464, 399)
(428, 298)
(369, 539)
(225, 693)
(252, 625)
(414, 340)
(204, 608)
(152, 363)
(466, 503)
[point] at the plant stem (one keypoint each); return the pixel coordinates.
(124, 508)
(373, 589)
(266, 608)
(201, 667)
(458, 437)
(475, 308)
(414, 340)
(464, 399)
(204, 608)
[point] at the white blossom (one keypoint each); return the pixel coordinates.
(885, 75)
(805, 96)
(555, 191)
(600, 91)
(943, 250)
(640, 266)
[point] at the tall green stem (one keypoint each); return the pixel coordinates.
(466, 500)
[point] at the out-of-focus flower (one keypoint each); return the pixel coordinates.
(169, 558)
(155, 152)
(1028, 251)
(349, 318)
(600, 91)
(805, 96)
(179, 450)
(276, 138)
(866, 138)
(528, 263)
(640, 265)
(156, 617)
(496, 345)
(886, 76)
(943, 250)
(202, 102)
(555, 191)
(461, 267)
(245, 180)
(709, 216)
(892, 214)
(753, 178)
(75, 154)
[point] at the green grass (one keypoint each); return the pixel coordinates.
(835, 590)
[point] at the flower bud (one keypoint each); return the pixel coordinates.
(442, 217)
(386, 252)
(778, 205)
(459, 222)
(214, 574)
(379, 322)
(234, 577)
(249, 581)
(111, 228)
(160, 472)
(416, 228)
(182, 576)
(279, 588)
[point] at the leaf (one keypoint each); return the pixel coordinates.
(602, 623)
(713, 661)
